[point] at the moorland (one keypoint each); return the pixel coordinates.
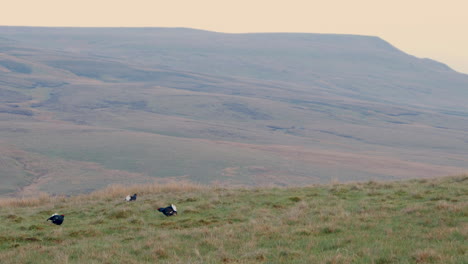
(82, 108)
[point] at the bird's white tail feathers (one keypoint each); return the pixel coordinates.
(51, 216)
(173, 207)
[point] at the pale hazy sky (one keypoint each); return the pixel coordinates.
(436, 29)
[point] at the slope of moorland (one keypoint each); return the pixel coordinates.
(412, 221)
(82, 108)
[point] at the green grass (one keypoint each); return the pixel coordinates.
(417, 221)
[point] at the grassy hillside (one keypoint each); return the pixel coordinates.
(416, 221)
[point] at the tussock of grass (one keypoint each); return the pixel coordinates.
(14, 218)
(119, 214)
(401, 222)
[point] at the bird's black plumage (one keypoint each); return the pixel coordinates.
(131, 198)
(168, 211)
(56, 219)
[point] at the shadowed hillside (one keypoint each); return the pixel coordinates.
(82, 108)
(417, 221)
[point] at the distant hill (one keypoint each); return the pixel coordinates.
(81, 108)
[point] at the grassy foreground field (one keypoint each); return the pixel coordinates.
(416, 221)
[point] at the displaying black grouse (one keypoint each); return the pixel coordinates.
(168, 211)
(131, 198)
(56, 219)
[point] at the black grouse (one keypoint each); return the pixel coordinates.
(168, 211)
(56, 219)
(131, 198)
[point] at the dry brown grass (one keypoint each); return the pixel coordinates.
(427, 256)
(118, 190)
(112, 191)
(41, 199)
